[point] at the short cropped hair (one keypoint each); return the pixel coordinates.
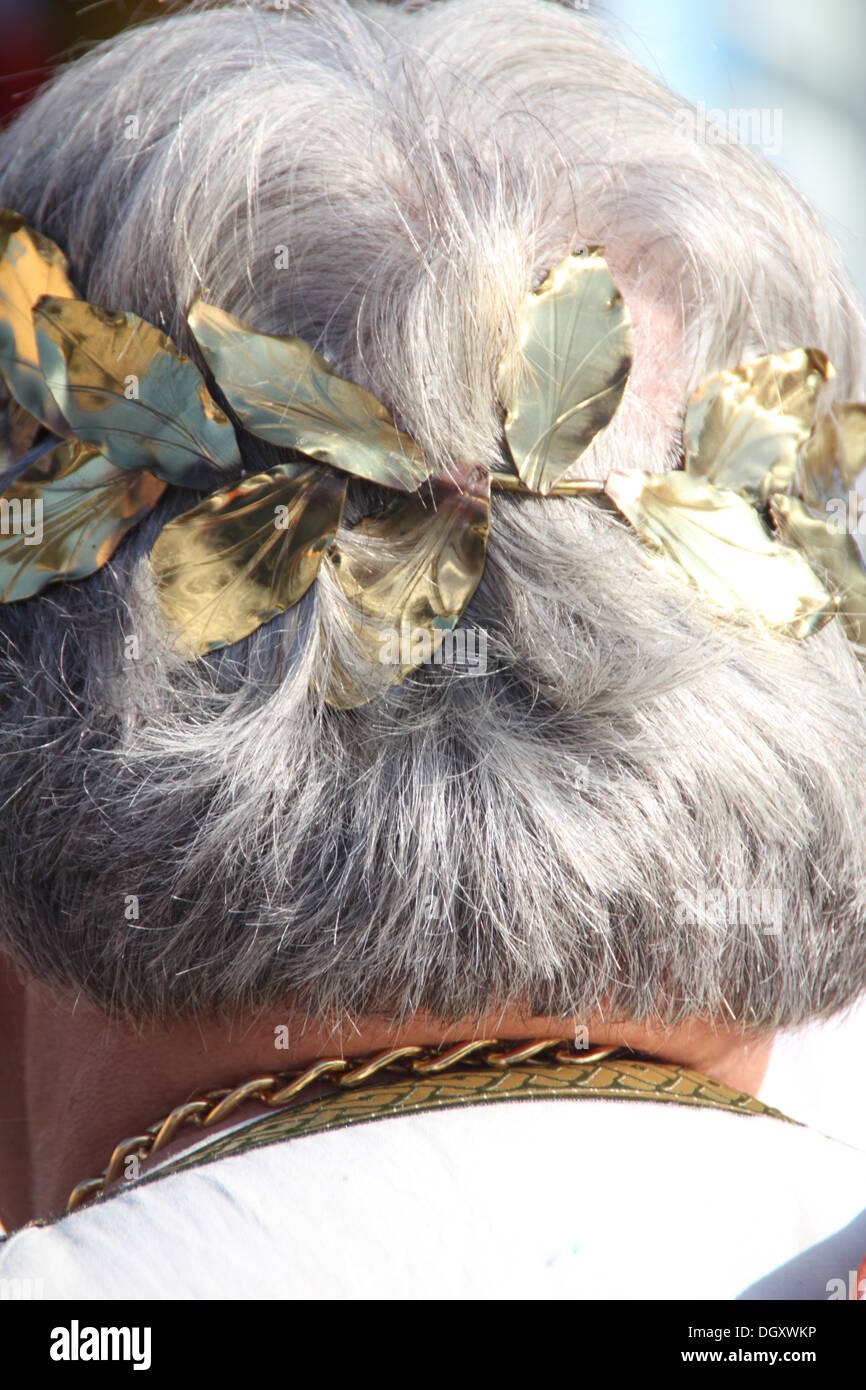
(635, 808)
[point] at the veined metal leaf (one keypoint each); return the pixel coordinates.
(835, 455)
(715, 538)
(286, 393)
(245, 554)
(745, 426)
(123, 386)
(30, 266)
(831, 550)
(409, 574)
(566, 376)
(65, 517)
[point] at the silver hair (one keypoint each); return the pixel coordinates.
(575, 829)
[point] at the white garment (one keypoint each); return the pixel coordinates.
(530, 1199)
(816, 1075)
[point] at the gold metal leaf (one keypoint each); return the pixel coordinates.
(65, 517)
(409, 574)
(123, 386)
(286, 393)
(831, 550)
(835, 455)
(715, 538)
(245, 554)
(566, 376)
(745, 426)
(30, 266)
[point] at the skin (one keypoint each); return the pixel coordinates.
(73, 1084)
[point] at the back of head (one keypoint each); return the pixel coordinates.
(389, 182)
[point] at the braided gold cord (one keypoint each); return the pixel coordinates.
(280, 1089)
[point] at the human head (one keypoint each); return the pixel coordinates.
(388, 182)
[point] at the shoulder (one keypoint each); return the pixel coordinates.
(602, 1199)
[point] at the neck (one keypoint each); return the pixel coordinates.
(74, 1084)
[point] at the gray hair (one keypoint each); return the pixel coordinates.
(574, 829)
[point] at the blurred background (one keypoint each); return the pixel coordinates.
(799, 65)
(786, 75)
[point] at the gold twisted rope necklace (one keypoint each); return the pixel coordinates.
(279, 1089)
(334, 1092)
